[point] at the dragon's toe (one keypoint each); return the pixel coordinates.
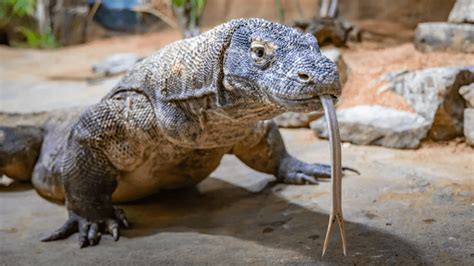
(90, 232)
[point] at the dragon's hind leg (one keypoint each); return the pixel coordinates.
(19, 150)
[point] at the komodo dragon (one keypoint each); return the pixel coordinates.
(170, 120)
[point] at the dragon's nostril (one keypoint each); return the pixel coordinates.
(303, 77)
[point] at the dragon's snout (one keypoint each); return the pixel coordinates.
(316, 76)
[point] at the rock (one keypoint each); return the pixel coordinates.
(422, 184)
(333, 31)
(297, 120)
(469, 125)
(434, 94)
(462, 12)
(116, 64)
(467, 93)
(443, 195)
(440, 36)
(377, 125)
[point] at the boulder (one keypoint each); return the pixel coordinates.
(116, 64)
(377, 125)
(440, 36)
(469, 125)
(297, 120)
(467, 93)
(328, 31)
(462, 12)
(434, 94)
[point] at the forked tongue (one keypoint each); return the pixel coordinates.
(336, 173)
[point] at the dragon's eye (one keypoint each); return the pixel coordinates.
(258, 51)
(262, 52)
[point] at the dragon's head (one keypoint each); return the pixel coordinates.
(277, 65)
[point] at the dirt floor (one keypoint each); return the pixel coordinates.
(406, 207)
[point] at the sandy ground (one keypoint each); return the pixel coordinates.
(407, 207)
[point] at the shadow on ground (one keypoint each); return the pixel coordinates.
(15, 187)
(263, 218)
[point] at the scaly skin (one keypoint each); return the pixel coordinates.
(172, 118)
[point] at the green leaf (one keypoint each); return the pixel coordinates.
(178, 3)
(200, 6)
(36, 40)
(23, 7)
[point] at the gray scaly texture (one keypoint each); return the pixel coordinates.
(172, 118)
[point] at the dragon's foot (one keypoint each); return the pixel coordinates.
(90, 231)
(294, 171)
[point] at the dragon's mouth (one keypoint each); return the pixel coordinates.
(302, 100)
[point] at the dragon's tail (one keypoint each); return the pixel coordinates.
(21, 136)
(19, 149)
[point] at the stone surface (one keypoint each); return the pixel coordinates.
(440, 36)
(469, 125)
(467, 92)
(434, 94)
(116, 64)
(40, 95)
(462, 12)
(296, 120)
(377, 125)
